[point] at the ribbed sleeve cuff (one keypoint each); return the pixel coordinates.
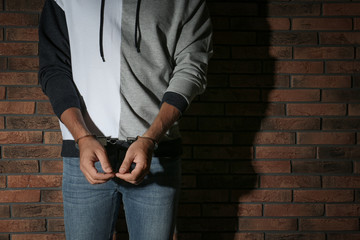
(175, 100)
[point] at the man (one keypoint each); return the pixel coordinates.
(122, 68)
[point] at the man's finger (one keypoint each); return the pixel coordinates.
(126, 164)
(138, 173)
(104, 161)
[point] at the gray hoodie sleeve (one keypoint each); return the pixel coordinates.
(193, 51)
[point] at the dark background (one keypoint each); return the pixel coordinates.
(271, 150)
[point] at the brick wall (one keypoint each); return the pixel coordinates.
(271, 150)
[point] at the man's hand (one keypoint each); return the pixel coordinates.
(140, 152)
(91, 151)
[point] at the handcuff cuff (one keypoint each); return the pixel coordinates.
(105, 141)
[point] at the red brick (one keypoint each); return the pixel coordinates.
(222, 66)
(280, 95)
(343, 38)
(321, 166)
(51, 196)
(322, 24)
(234, 38)
(356, 23)
(53, 137)
(297, 236)
(221, 52)
(3, 64)
(56, 225)
(20, 137)
(287, 38)
(18, 19)
(343, 210)
(339, 152)
(354, 109)
(12, 196)
(31, 181)
(263, 81)
(2, 181)
(259, 23)
(293, 210)
(2, 121)
(316, 109)
(22, 34)
(246, 138)
(323, 195)
(348, 95)
(290, 124)
(233, 152)
(189, 210)
(325, 224)
(24, 5)
(17, 107)
(225, 210)
(2, 92)
(260, 167)
(193, 166)
(19, 225)
(13, 78)
(30, 64)
(324, 53)
(343, 236)
(263, 224)
(291, 9)
(341, 9)
(31, 151)
(341, 181)
(212, 224)
(231, 95)
(228, 236)
(32, 122)
(255, 109)
(20, 166)
(323, 81)
(262, 52)
(227, 123)
(4, 211)
(325, 138)
(47, 236)
(44, 108)
(206, 109)
(261, 196)
(290, 182)
(207, 138)
(220, 23)
(300, 67)
(51, 166)
(37, 210)
(26, 93)
(4, 236)
(230, 181)
(15, 49)
(233, 9)
(203, 196)
(341, 124)
(285, 152)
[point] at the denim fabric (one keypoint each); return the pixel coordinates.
(91, 211)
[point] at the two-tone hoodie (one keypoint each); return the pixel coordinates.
(118, 60)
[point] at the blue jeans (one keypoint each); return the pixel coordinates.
(91, 211)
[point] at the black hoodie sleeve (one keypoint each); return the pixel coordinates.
(55, 74)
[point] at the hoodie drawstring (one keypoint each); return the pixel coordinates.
(101, 34)
(137, 28)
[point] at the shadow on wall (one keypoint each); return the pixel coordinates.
(221, 127)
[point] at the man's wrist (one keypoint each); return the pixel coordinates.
(156, 144)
